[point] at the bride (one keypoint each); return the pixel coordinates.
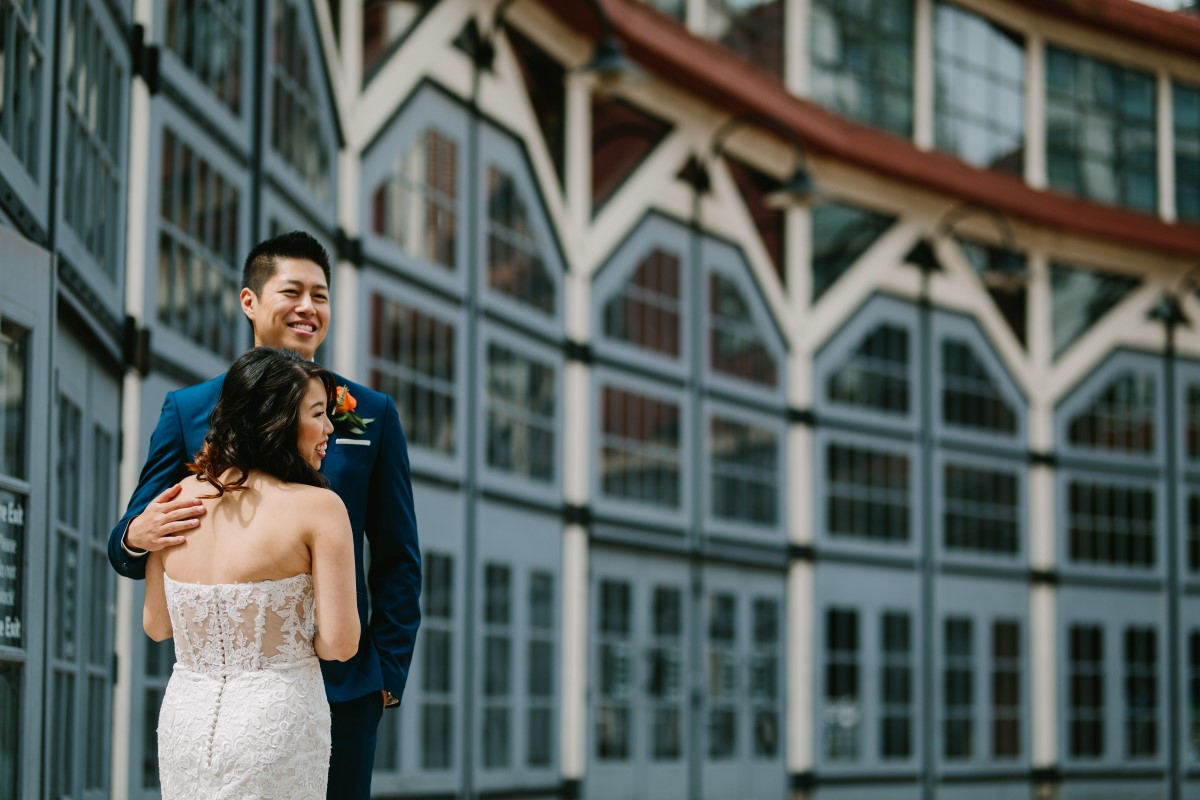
(263, 587)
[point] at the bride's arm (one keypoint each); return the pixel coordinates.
(155, 619)
(332, 548)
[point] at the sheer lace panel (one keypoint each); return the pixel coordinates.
(233, 627)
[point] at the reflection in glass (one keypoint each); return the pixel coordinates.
(1101, 141)
(206, 35)
(95, 82)
(1141, 693)
(842, 723)
(745, 472)
(384, 26)
(640, 448)
(11, 711)
(867, 494)
(862, 61)
(981, 510)
(1111, 525)
(875, 376)
(413, 359)
(1080, 297)
(1120, 419)
(416, 205)
(736, 346)
(520, 414)
(1006, 689)
(1010, 299)
(646, 312)
(841, 233)
(897, 681)
(1187, 150)
(198, 251)
(751, 28)
(970, 396)
(979, 94)
(296, 111)
(22, 61)
(515, 266)
(14, 408)
(614, 667)
(958, 689)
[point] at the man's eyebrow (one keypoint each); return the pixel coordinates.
(296, 282)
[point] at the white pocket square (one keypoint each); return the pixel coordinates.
(352, 441)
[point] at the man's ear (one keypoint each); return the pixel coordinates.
(249, 301)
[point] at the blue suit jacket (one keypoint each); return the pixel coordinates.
(373, 481)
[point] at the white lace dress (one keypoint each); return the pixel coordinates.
(245, 714)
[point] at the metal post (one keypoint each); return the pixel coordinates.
(928, 620)
(1174, 689)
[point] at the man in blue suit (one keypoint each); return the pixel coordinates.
(285, 295)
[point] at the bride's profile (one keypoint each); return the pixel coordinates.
(261, 588)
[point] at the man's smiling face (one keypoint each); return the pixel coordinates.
(293, 309)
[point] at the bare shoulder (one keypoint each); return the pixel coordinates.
(315, 500)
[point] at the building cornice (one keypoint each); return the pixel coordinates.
(712, 72)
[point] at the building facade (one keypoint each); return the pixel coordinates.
(892, 495)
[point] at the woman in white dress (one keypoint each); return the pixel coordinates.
(261, 588)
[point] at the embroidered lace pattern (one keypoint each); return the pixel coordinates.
(245, 713)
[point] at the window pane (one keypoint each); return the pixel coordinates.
(436, 651)
(841, 233)
(417, 204)
(70, 434)
(521, 422)
(1006, 689)
(896, 687)
(665, 689)
(1141, 692)
(875, 376)
(862, 60)
(92, 183)
(722, 676)
(14, 356)
(646, 311)
(413, 358)
(970, 397)
(745, 472)
(979, 108)
(614, 667)
(1086, 705)
(982, 511)
(515, 266)
(296, 133)
(23, 54)
(11, 711)
(1121, 419)
(206, 35)
(640, 441)
(1187, 151)
(751, 28)
(736, 347)
(843, 711)
(1111, 525)
(1193, 679)
(1100, 130)
(958, 689)
(867, 494)
(198, 267)
(1080, 297)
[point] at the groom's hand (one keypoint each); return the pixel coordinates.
(164, 523)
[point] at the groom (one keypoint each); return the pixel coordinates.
(285, 295)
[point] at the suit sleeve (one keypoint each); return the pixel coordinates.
(394, 578)
(164, 467)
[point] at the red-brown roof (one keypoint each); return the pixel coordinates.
(709, 70)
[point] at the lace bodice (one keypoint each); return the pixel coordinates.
(237, 627)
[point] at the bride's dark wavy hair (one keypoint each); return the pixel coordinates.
(255, 422)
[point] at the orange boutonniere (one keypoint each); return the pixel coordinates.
(343, 412)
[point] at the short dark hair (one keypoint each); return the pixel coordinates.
(254, 424)
(260, 264)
